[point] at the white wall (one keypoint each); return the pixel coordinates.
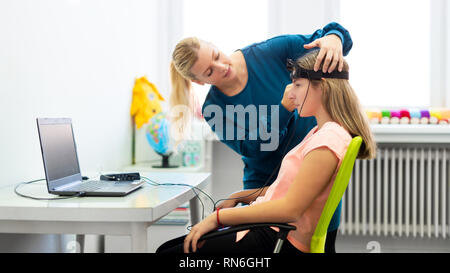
(300, 16)
(438, 69)
(168, 16)
(70, 58)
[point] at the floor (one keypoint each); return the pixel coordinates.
(374, 244)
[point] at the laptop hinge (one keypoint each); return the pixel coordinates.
(62, 188)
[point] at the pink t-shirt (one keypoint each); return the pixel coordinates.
(332, 136)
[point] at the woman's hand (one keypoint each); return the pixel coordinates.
(288, 101)
(330, 53)
(208, 224)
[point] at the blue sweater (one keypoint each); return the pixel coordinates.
(266, 131)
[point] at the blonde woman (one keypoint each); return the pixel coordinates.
(307, 172)
(250, 82)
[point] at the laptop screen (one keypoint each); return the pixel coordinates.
(58, 149)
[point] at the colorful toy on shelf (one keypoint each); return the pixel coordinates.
(424, 116)
(395, 117)
(191, 153)
(445, 116)
(405, 116)
(443, 121)
(145, 102)
(415, 116)
(385, 116)
(435, 116)
(409, 116)
(374, 116)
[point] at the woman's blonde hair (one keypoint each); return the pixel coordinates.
(184, 56)
(341, 102)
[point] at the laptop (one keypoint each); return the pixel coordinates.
(61, 165)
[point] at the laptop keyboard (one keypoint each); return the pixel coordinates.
(92, 186)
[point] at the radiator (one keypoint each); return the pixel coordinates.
(404, 191)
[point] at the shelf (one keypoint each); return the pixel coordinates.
(147, 167)
(408, 133)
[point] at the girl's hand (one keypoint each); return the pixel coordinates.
(330, 53)
(288, 100)
(197, 231)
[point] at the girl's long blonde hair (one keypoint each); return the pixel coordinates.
(341, 102)
(184, 57)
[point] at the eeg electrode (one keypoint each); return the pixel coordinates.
(299, 72)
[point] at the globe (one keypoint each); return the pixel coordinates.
(157, 134)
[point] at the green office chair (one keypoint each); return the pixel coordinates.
(320, 233)
(336, 193)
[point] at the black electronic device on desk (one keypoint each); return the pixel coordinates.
(120, 177)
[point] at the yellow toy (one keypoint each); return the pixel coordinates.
(146, 101)
(374, 115)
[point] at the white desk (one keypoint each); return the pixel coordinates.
(128, 215)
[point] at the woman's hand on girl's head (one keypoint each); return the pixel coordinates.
(330, 53)
(208, 224)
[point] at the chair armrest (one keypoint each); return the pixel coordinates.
(232, 229)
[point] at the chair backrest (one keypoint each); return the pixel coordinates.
(337, 191)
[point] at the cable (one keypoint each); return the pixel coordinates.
(193, 188)
(154, 183)
(39, 198)
(201, 202)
